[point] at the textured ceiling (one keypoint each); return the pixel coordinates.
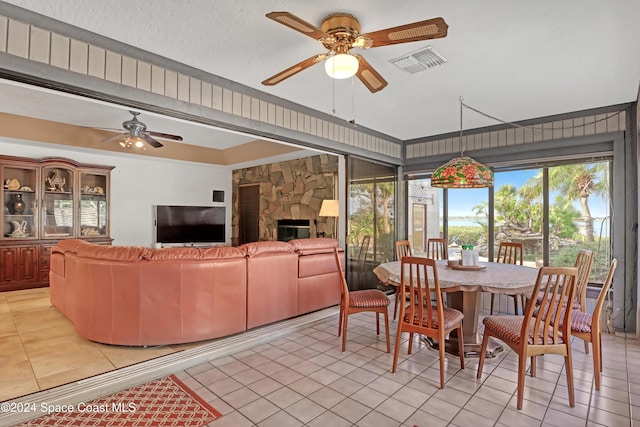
(512, 59)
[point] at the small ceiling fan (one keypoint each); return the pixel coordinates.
(339, 33)
(137, 135)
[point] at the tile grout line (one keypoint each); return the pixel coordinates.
(91, 388)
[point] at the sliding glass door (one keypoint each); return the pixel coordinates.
(371, 212)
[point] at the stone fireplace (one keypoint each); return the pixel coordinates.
(291, 190)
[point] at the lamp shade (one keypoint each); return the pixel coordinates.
(341, 66)
(462, 172)
(329, 208)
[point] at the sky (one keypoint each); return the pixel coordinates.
(462, 201)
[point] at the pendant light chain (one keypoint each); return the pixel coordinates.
(489, 116)
(462, 145)
(462, 172)
(333, 85)
(353, 102)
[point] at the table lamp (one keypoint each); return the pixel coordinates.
(331, 208)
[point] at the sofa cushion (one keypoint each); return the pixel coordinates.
(316, 265)
(267, 247)
(69, 245)
(311, 246)
(222, 252)
(182, 253)
(111, 253)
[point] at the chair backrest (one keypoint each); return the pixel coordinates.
(510, 253)
(597, 311)
(363, 252)
(437, 249)
(344, 288)
(584, 261)
(550, 321)
(403, 248)
(420, 278)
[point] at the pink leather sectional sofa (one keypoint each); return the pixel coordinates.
(139, 296)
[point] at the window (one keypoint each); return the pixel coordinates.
(518, 213)
(580, 215)
(468, 219)
(553, 211)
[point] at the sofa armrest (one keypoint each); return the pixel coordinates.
(320, 245)
(70, 245)
(267, 247)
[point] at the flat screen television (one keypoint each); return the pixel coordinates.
(190, 224)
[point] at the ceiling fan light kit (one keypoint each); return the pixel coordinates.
(132, 141)
(137, 135)
(341, 66)
(339, 33)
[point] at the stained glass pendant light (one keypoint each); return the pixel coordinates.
(462, 171)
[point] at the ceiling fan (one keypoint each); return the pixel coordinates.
(137, 135)
(340, 32)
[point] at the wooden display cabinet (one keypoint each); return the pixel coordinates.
(45, 200)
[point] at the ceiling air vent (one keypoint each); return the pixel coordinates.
(419, 61)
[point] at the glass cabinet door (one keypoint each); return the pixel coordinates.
(19, 202)
(93, 204)
(58, 200)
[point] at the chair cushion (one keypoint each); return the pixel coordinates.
(451, 317)
(581, 321)
(505, 328)
(368, 298)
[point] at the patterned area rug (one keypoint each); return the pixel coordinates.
(164, 402)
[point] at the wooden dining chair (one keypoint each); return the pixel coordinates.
(584, 261)
(361, 263)
(403, 248)
(510, 253)
(419, 279)
(542, 329)
(587, 326)
(357, 301)
(437, 248)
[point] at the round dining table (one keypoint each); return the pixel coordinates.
(464, 289)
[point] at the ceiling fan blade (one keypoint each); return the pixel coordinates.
(152, 142)
(424, 30)
(165, 135)
(114, 138)
(294, 70)
(295, 23)
(370, 77)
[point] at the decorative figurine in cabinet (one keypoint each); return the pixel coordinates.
(19, 201)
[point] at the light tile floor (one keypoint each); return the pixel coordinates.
(40, 349)
(304, 378)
